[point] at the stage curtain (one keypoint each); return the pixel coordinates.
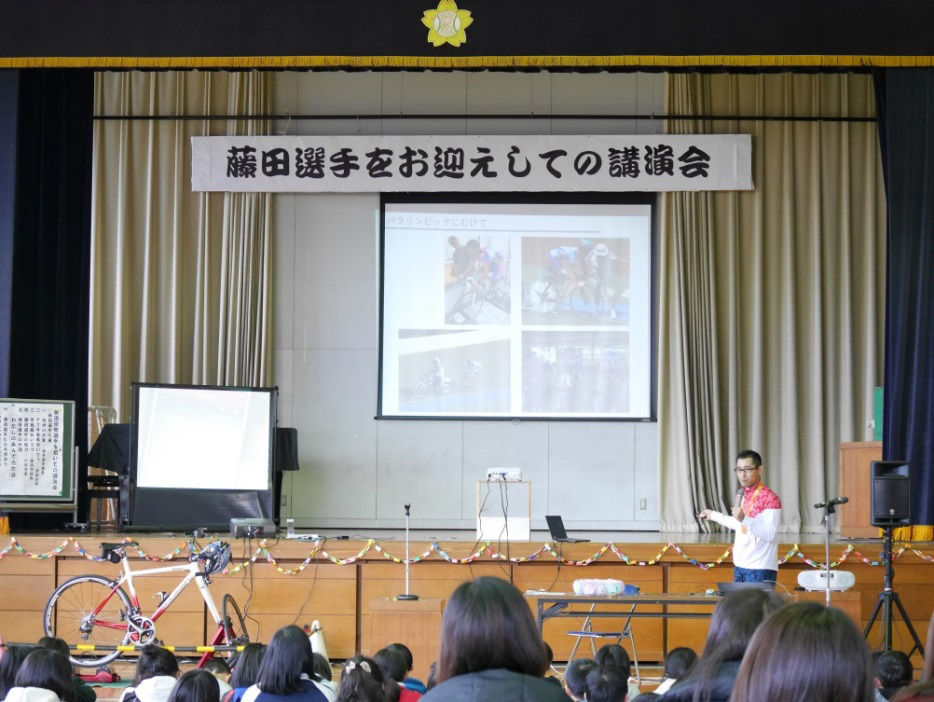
(906, 117)
(181, 281)
(772, 300)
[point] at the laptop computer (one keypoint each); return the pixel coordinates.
(558, 532)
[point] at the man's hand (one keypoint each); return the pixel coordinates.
(704, 514)
(738, 514)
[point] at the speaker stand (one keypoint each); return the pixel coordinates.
(887, 598)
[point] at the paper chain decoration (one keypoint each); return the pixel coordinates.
(317, 551)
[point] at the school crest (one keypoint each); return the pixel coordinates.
(446, 24)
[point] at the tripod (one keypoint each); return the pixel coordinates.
(887, 597)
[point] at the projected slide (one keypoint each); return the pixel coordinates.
(525, 310)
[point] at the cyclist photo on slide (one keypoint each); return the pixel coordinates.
(477, 281)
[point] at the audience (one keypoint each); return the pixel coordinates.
(286, 673)
(893, 671)
(614, 654)
(392, 665)
(221, 671)
(245, 670)
(575, 678)
(409, 682)
(432, 676)
(646, 697)
(12, 659)
(83, 691)
(197, 685)
(43, 676)
(323, 679)
(363, 681)
(156, 675)
(678, 663)
(491, 648)
(731, 628)
(607, 683)
(806, 651)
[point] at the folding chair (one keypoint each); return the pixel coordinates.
(586, 632)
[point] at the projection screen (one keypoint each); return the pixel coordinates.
(516, 309)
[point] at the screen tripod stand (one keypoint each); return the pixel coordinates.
(887, 598)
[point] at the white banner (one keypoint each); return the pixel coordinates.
(472, 163)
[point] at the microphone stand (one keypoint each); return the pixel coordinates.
(828, 510)
(407, 595)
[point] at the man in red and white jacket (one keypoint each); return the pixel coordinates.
(757, 513)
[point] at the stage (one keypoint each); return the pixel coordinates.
(336, 578)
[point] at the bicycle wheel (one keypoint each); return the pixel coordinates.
(235, 631)
(87, 610)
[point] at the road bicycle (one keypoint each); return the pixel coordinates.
(95, 614)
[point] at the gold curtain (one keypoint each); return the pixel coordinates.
(181, 281)
(772, 300)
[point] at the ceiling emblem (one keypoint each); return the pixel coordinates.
(446, 25)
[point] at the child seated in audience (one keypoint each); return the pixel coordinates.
(12, 659)
(156, 675)
(806, 651)
(286, 673)
(324, 677)
(363, 681)
(607, 683)
(43, 676)
(196, 686)
(409, 682)
(83, 691)
(221, 671)
(575, 678)
(678, 663)
(245, 670)
(894, 671)
(615, 654)
(392, 666)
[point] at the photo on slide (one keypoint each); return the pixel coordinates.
(575, 281)
(476, 281)
(447, 373)
(575, 372)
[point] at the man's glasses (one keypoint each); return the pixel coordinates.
(739, 471)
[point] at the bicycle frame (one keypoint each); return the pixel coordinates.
(192, 574)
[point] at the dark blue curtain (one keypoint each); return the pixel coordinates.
(9, 99)
(906, 123)
(48, 331)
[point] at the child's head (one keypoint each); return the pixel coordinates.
(894, 670)
(607, 683)
(217, 667)
(153, 661)
(575, 677)
(679, 662)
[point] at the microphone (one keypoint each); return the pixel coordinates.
(832, 503)
(738, 499)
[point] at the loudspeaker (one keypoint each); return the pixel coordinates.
(891, 493)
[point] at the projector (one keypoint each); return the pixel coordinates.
(817, 580)
(503, 474)
(251, 527)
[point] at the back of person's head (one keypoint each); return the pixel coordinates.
(153, 661)
(391, 664)
(607, 683)
(549, 656)
(9, 665)
(362, 681)
(575, 676)
(406, 654)
(614, 654)
(216, 666)
(195, 686)
(732, 625)
(894, 670)
(246, 667)
(49, 670)
(288, 655)
(54, 643)
(679, 662)
(321, 666)
(806, 651)
(486, 625)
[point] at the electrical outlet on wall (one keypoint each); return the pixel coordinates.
(284, 501)
(643, 503)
